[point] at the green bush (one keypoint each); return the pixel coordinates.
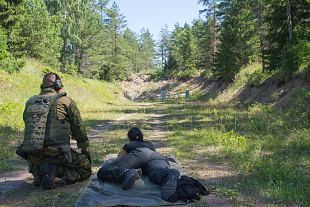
(289, 61)
(208, 74)
(303, 55)
(257, 78)
(158, 75)
(3, 45)
(7, 62)
(190, 72)
(71, 69)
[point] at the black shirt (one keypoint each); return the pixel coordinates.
(138, 144)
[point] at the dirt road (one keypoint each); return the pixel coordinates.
(16, 188)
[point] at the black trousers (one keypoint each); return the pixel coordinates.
(153, 165)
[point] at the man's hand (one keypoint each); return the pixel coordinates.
(86, 153)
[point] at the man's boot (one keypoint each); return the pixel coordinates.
(169, 187)
(47, 176)
(129, 177)
(36, 175)
(36, 180)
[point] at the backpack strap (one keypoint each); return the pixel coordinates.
(56, 97)
(53, 100)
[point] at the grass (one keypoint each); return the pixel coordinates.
(276, 156)
(96, 100)
(269, 148)
(101, 104)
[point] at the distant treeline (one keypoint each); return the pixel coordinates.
(275, 33)
(85, 37)
(91, 38)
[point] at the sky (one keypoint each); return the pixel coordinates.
(155, 14)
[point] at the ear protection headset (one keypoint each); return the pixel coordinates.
(57, 85)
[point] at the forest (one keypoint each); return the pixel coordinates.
(91, 38)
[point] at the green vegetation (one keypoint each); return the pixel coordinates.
(84, 37)
(96, 100)
(7, 62)
(94, 40)
(235, 34)
(268, 147)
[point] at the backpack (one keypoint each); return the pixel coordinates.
(189, 189)
(35, 118)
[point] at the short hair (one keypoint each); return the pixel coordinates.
(49, 80)
(135, 134)
(52, 80)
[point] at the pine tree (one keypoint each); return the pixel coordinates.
(88, 51)
(9, 13)
(204, 44)
(287, 26)
(147, 48)
(71, 14)
(6, 61)
(213, 15)
(163, 47)
(182, 52)
(3, 45)
(37, 34)
(238, 39)
(187, 50)
(115, 24)
(131, 50)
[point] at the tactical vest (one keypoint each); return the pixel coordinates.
(42, 126)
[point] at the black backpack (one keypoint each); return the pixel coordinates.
(189, 189)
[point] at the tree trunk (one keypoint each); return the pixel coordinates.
(162, 56)
(214, 37)
(260, 30)
(115, 37)
(289, 20)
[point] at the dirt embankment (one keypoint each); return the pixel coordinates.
(274, 91)
(142, 87)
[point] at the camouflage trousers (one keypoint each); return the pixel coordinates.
(72, 167)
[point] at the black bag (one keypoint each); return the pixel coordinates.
(189, 189)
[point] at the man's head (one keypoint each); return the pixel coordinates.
(52, 80)
(135, 134)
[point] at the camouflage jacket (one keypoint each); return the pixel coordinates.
(66, 108)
